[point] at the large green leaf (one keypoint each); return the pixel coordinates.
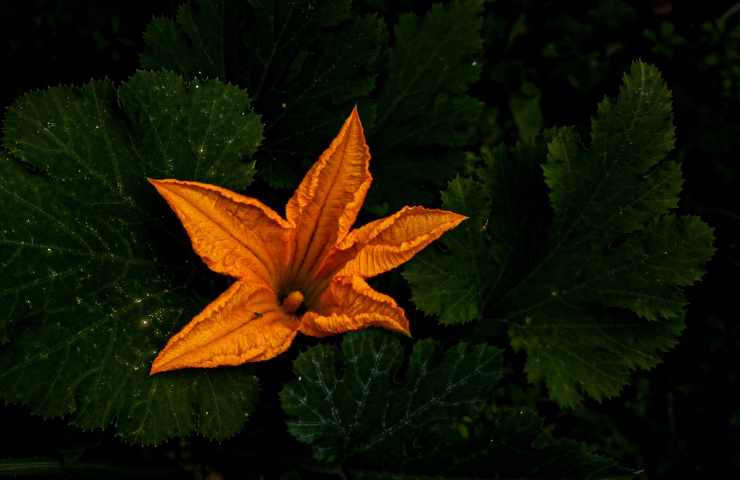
(95, 271)
(426, 419)
(592, 290)
(351, 405)
(611, 246)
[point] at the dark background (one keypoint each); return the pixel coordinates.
(681, 418)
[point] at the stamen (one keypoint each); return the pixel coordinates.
(293, 301)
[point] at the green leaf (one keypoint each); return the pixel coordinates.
(525, 108)
(424, 111)
(449, 278)
(430, 417)
(577, 343)
(592, 290)
(424, 100)
(506, 205)
(501, 442)
(620, 181)
(611, 246)
(96, 271)
(192, 44)
(305, 65)
(208, 122)
(358, 404)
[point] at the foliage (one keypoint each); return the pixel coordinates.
(89, 291)
(429, 417)
(610, 247)
(305, 65)
(572, 272)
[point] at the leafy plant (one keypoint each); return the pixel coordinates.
(89, 290)
(430, 417)
(571, 269)
(566, 285)
(306, 65)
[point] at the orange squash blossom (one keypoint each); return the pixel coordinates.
(305, 273)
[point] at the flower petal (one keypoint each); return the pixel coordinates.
(384, 244)
(244, 324)
(349, 303)
(327, 201)
(235, 235)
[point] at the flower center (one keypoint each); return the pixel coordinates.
(293, 301)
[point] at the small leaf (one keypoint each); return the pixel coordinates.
(193, 41)
(525, 108)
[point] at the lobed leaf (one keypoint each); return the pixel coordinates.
(426, 417)
(594, 289)
(90, 287)
(621, 181)
(611, 246)
(349, 405)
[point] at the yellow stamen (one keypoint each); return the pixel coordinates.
(293, 301)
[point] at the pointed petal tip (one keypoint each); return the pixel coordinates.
(158, 366)
(354, 115)
(456, 218)
(155, 369)
(158, 183)
(162, 364)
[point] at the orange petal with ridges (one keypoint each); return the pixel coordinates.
(348, 304)
(244, 324)
(384, 244)
(235, 235)
(327, 201)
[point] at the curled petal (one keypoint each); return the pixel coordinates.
(349, 303)
(235, 235)
(384, 244)
(327, 201)
(244, 324)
